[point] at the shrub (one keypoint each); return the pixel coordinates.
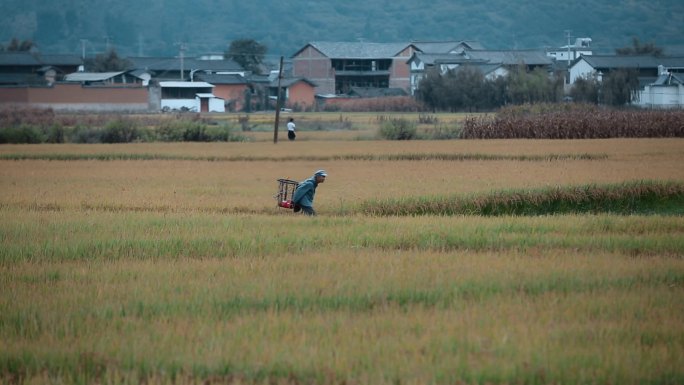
(21, 134)
(56, 133)
(393, 103)
(120, 131)
(442, 132)
(398, 129)
(86, 134)
(218, 133)
(193, 131)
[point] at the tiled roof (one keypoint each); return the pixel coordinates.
(36, 59)
(666, 80)
(365, 92)
(511, 57)
(358, 50)
(288, 82)
(431, 59)
(444, 47)
(221, 79)
(480, 67)
(174, 64)
(177, 84)
(623, 61)
(91, 76)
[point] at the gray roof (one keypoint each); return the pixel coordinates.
(445, 47)
(91, 76)
(288, 82)
(20, 79)
(357, 50)
(511, 57)
(483, 68)
(368, 92)
(624, 61)
(189, 63)
(666, 80)
(432, 59)
(221, 79)
(36, 59)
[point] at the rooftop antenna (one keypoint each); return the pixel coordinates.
(107, 42)
(567, 34)
(182, 49)
(83, 47)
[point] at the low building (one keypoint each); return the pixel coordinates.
(189, 96)
(31, 68)
(491, 63)
(646, 66)
(232, 88)
(571, 52)
(296, 93)
(336, 67)
(666, 92)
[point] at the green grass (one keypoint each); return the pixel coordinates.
(572, 285)
(364, 157)
(62, 236)
(638, 197)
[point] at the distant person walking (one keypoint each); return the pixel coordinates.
(304, 194)
(291, 130)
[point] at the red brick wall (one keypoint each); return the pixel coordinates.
(313, 65)
(74, 93)
(301, 93)
(76, 97)
(400, 76)
(232, 92)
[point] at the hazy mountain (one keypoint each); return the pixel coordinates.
(158, 27)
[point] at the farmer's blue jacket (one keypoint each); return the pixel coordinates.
(304, 195)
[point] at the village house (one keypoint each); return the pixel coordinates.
(336, 67)
(646, 66)
(30, 68)
(667, 91)
(659, 76)
(295, 93)
(491, 63)
(189, 96)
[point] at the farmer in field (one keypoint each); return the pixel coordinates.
(304, 194)
(291, 129)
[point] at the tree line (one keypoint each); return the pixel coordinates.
(467, 89)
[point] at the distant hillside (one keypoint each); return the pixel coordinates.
(157, 27)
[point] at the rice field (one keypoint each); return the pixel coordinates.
(170, 264)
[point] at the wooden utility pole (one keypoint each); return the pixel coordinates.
(277, 117)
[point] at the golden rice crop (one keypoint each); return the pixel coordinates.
(168, 271)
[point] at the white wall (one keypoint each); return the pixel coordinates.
(177, 104)
(581, 69)
(662, 97)
(217, 105)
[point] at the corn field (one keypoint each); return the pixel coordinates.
(577, 123)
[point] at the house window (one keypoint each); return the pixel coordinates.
(183, 93)
(361, 65)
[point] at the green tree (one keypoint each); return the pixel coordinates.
(532, 87)
(466, 89)
(18, 46)
(586, 90)
(430, 89)
(638, 48)
(248, 53)
(620, 87)
(108, 62)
